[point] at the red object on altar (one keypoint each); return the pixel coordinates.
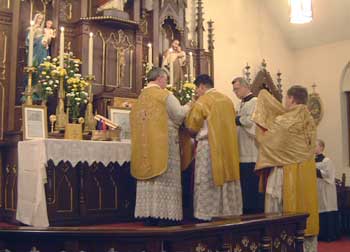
(100, 2)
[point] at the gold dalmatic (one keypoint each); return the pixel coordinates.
(219, 112)
(149, 134)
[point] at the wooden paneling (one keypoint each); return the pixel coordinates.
(89, 193)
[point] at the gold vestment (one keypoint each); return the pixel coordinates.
(287, 139)
(149, 134)
(220, 114)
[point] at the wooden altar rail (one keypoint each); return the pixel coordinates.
(265, 233)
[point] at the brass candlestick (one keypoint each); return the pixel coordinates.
(62, 118)
(90, 122)
(29, 89)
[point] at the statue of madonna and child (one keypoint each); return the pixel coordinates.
(43, 37)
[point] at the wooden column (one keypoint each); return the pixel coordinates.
(211, 47)
(156, 34)
(200, 27)
(13, 67)
(137, 9)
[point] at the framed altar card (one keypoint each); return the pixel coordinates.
(121, 117)
(34, 119)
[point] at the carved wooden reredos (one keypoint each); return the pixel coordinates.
(263, 80)
(120, 44)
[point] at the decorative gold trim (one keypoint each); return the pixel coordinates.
(283, 235)
(245, 241)
(69, 11)
(200, 247)
(237, 248)
(277, 243)
(115, 193)
(315, 106)
(65, 177)
(109, 18)
(253, 247)
(120, 43)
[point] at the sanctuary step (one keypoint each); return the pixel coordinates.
(253, 233)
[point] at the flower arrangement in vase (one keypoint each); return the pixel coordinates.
(185, 94)
(75, 88)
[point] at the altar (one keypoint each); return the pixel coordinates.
(66, 182)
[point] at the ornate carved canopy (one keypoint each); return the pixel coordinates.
(263, 80)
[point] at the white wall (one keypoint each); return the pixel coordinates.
(325, 66)
(244, 33)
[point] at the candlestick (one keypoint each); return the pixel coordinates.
(150, 54)
(62, 47)
(31, 44)
(90, 122)
(171, 69)
(62, 117)
(191, 67)
(91, 53)
(29, 90)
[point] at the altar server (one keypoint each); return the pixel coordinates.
(327, 195)
(248, 151)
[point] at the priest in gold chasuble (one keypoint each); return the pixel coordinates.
(286, 138)
(217, 188)
(155, 157)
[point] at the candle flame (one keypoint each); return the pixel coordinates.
(62, 29)
(91, 34)
(149, 45)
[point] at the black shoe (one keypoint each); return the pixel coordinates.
(150, 222)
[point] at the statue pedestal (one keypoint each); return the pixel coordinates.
(115, 13)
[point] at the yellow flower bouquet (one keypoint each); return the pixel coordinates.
(185, 94)
(75, 87)
(47, 79)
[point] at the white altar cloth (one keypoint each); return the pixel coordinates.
(32, 160)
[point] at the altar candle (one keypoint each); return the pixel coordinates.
(171, 69)
(149, 54)
(31, 44)
(191, 67)
(62, 47)
(91, 53)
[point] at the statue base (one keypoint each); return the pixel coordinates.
(115, 13)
